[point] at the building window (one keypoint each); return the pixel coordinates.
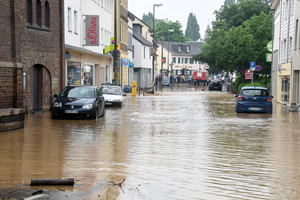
(291, 48)
(182, 60)
(296, 34)
(144, 52)
(186, 60)
(174, 60)
(75, 21)
(191, 61)
(132, 51)
(38, 13)
(178, 60)
(47, 15)
(69, 19)
(29, 11)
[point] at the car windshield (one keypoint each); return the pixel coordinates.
(78, 92)
(255, 93)
(215, 80)
(111, 91)
(165, 79)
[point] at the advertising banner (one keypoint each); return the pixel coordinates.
(92, 30)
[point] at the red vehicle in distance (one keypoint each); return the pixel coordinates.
(200, 77)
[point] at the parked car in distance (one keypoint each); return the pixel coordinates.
(215, 85)
(254, 99)
(166, 81)
(79, 102)
(127, 88)
(189, 79)
(113, 94)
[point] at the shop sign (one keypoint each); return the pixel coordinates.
(92, 30)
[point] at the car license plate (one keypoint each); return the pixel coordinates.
(255, 109)
(216, 87)
(71, 111)
(108, 103)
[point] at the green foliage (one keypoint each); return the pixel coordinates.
(228, 2)
(230, 47)
(192, 28)
(175, 36)
(236, 13)
(148, 19)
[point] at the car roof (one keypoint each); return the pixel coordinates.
(253, 87)
(87, 86)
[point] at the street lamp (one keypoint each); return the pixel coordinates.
(169, 49)
(154, 46)
(162, 50)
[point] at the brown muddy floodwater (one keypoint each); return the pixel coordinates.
(187, 143)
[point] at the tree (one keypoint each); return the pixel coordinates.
(192, 28)
(228, 2)
(234, 49)
(236, 13)
(239, 35)
(175, 36)
(148, 19)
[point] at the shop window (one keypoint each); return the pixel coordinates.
(47, 15)
(178, 60)
(73, 73)
(88, 74)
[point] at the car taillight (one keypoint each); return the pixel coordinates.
(241, 107)
(269, 99)
(240, 98)
(268, 108)
(220, 84)
(210, 84)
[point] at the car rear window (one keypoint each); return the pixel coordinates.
(255, 93)
(111, 91)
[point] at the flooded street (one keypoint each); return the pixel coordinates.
(186, 143)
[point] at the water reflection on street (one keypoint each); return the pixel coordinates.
(186, 143)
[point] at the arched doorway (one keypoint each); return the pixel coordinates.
(39, 88)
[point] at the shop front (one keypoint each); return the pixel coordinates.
(284, 84)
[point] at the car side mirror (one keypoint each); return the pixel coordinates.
(100, 97)
(235, 95)
(272, 97)
(56, 96)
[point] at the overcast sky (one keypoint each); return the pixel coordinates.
(178, 10)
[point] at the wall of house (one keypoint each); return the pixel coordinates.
(73, 31)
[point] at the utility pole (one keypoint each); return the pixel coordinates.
(116, 52)
(162, 55)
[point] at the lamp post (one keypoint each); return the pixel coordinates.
(171, 30)
(162, 51)
(154, 45)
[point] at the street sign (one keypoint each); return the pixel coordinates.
(269, 57)
(258, 68)
(163, 60)
(252, 64)
(252, 68)
(270, 46)
(131, 64)
(248, 74)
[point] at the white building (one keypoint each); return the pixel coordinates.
(87, 65)
(178, 56)
(283, 46)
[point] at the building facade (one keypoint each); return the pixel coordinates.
(296, 58)
(283, 49)
(32, 50)
(87, 64)
(178, 56)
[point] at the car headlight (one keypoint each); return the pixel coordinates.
(88, 106)
(57, 104)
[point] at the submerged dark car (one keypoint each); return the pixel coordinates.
(79, 102)
(215, 85)
(254, 99)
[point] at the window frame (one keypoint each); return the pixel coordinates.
(39, 13)
(47, 14)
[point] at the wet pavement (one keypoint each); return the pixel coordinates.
(184, 143)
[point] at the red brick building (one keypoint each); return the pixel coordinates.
(31, 57)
